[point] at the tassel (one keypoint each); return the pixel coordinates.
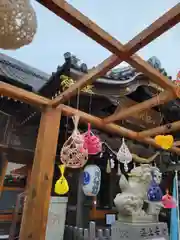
(126, 167)
(119, 170)
(108, 167)
(101, 155)
(112, 163)
(134, 165)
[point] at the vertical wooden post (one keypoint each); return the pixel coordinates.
(4, 165)
(36, 206)
(28, 177)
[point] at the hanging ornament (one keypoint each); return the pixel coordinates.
(61, 186)
(163, 141)
(134, 165)
(168, 201)
(91, 180)
(101, 155)
(119, 170)
(112, 164)
(73, 153)
(108, 167)
(92, 142)
(123, 155)
(18, 23)
(154, 192)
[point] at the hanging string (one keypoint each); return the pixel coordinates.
(76, 122)
(78, 99)
(177, 197)
(90, 104)
(154, 162)
(67, 122)
(112, 151)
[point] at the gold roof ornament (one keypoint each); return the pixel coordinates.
(18, 23)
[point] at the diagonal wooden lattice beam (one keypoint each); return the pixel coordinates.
(118, 115)
(77, 19)
(88, 27)
(167, 128)
(111, 127)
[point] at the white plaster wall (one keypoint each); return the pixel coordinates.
(12, 166)
(56, 218)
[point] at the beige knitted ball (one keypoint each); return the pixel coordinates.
(18, 23)
(73, 155)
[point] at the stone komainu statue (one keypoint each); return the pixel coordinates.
(130, 202)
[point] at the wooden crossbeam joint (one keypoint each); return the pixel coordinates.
(77, 19)
(112, 128)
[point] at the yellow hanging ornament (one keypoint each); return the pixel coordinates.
(61, 186)
(165, 142)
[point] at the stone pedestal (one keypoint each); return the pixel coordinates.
(56, 218)
(140, 231)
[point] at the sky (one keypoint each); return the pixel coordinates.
(123, 19)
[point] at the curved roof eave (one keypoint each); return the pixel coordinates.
(116, 87)
(20, 72)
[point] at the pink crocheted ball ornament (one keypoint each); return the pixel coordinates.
(91, 142)
(168, 201)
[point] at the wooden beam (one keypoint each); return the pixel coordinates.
(92, 30)
(4, 165)
(176, 144)
(167, 128)
(28, 177)
(17, 155)
(111, 127)
(78, 20)
(148, 118)
(38, 195)
(162, 98)
(22, 95)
